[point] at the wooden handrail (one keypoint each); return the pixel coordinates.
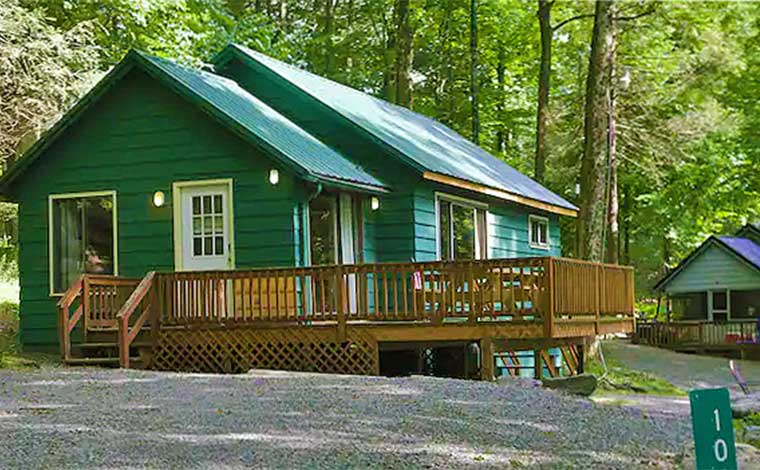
(66, 323)
(127, 336)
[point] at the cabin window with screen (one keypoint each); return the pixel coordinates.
(461, 230)
(539, 232)
(82, 230)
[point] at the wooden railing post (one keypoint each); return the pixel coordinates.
(123, 343)
(63, 328)
(340, 286)
(549, 299)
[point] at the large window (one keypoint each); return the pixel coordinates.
(82, 237)
(745, 304)
(461, 230)
(691, 306)
(538, 232)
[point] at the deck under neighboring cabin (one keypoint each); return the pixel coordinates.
(732, 338)
(356, 319)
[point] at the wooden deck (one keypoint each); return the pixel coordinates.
(336, 318)
(736, 338)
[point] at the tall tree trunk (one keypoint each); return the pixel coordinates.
(544, 75)
(613, 207)
(328, 30)
(474, 70)
(627, 214)
(501, 138)
(404, 54)
(593, 201)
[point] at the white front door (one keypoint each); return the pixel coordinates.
(206, 227)
(347, 254)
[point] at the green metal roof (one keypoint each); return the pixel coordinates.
(423, 143)
(246, 115)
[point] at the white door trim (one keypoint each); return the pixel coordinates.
(177, 187)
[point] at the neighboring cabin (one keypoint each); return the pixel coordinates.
(719, 281)
(162, 167)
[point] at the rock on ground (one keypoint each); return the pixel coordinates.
(96, 418)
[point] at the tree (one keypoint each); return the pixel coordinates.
(544, 81)
(593, 202)
(43, 69)
(474, 71)
(399, 83)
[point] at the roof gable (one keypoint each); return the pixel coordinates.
(422, 143)
(723, 262)
(232, 106)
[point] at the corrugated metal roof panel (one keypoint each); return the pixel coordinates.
(428, 143)
(748, 249)
(266, 124)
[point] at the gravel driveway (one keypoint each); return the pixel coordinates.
(96, 418)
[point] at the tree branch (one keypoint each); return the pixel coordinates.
(568, 20)
(649, 11)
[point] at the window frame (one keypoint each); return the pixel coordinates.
(481, 245)
(545, 221)
(51, 232)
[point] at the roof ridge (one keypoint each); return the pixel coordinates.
(248, 50)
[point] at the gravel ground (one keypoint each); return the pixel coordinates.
(96, 418)
(687, 371)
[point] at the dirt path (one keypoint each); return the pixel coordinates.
(687, 371)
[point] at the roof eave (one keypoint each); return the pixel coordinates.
(499, 194)
(349, 185)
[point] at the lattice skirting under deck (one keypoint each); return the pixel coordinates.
(241, 349)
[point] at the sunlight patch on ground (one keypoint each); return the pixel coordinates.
(9, 291)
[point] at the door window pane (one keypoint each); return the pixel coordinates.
(82, 238)
(322, 230)
(720, 300)
(208, 225)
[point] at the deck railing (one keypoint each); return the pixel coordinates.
(531, 290)
(556, 294)
(696, 334)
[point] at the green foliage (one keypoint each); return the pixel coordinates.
(687, 124)
(740, 426)
(9, 343)
(621, 379)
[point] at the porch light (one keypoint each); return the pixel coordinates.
(374, 203)
(159, 199)
(274, 176)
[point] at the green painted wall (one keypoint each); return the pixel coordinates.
(139, 138)
(714, 268)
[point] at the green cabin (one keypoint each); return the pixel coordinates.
(257, 163)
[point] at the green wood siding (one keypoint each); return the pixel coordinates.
(138, 139)
(714, 268)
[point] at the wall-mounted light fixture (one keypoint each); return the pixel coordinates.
(374, 203)
(159, 198)
(274, 176)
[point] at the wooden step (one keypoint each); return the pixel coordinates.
(113, 344)
(95, 361)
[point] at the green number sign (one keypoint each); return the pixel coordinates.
(713, 428)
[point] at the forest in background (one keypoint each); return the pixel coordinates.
(645, 114)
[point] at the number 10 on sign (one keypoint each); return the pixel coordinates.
(711, 422)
